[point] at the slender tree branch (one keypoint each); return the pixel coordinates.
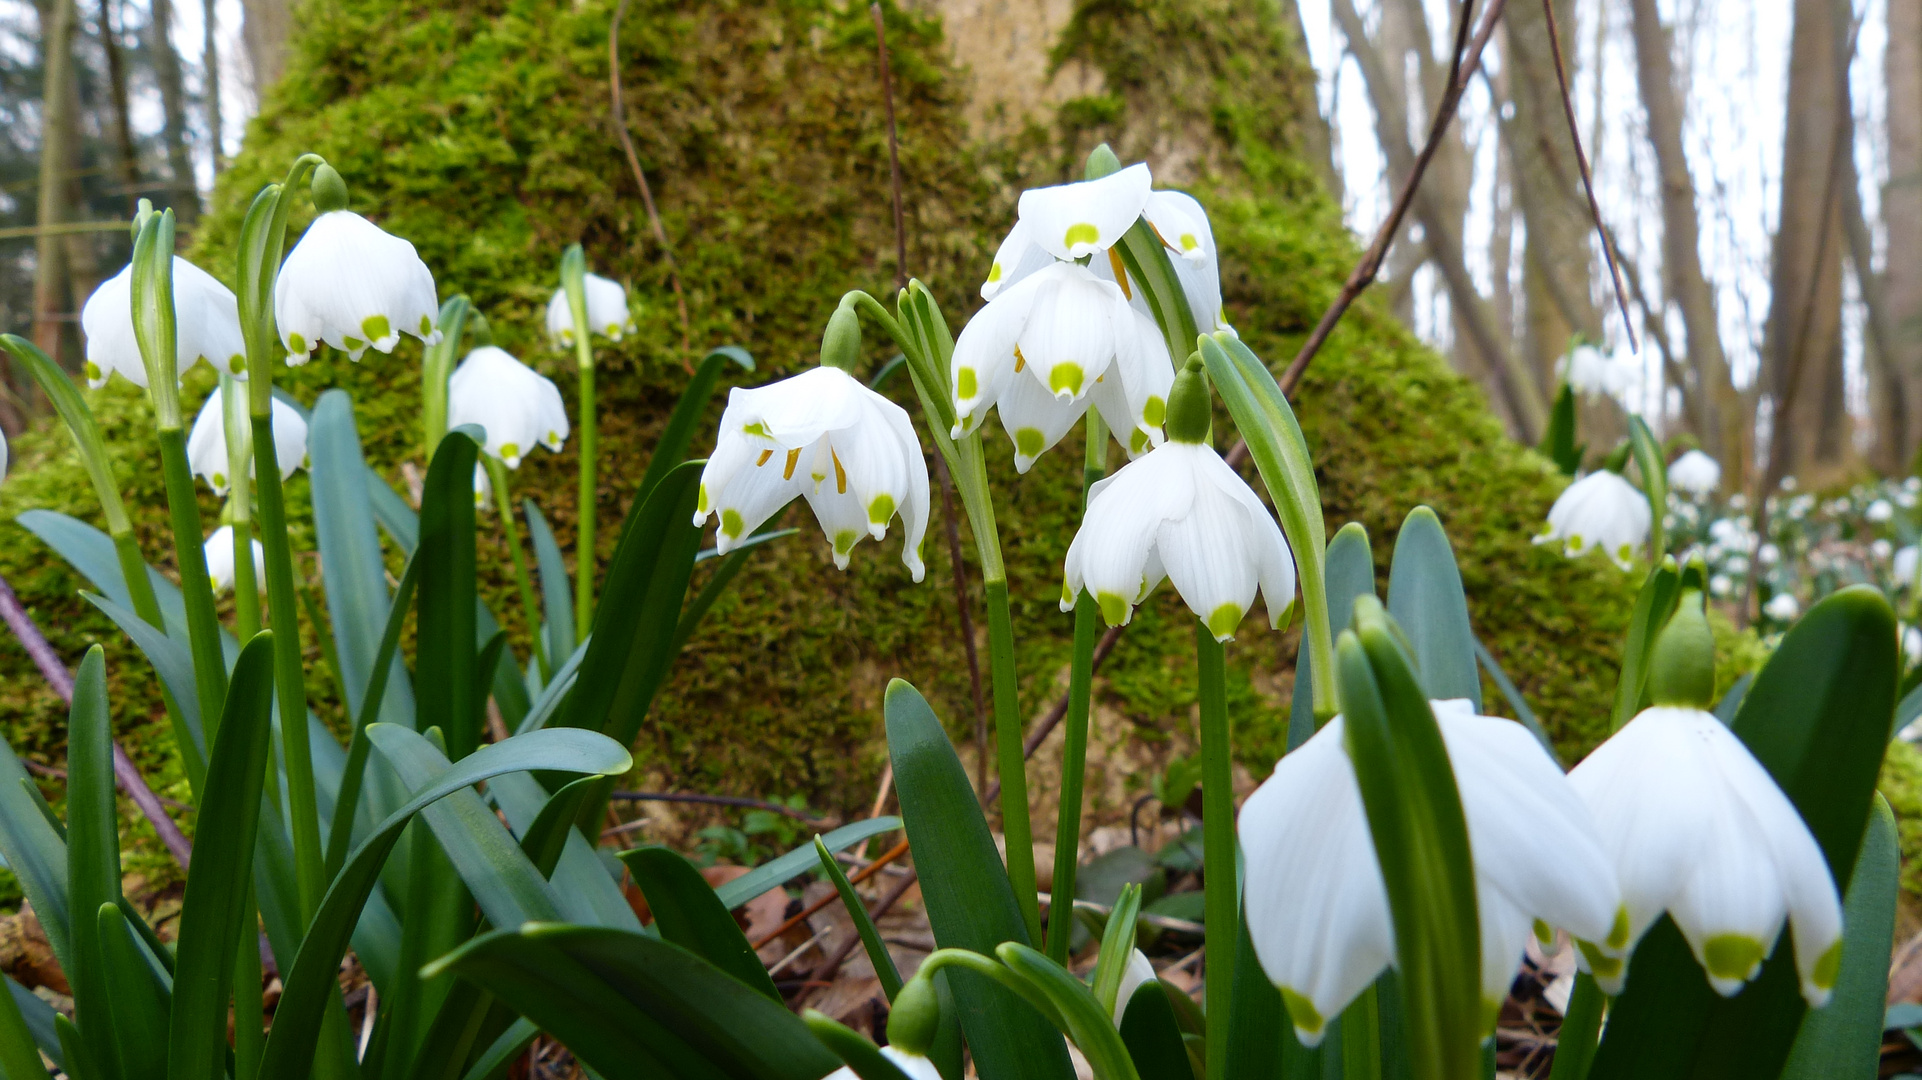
(640, 178)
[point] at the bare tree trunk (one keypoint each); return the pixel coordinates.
(264, 28)
(210, 65)
(82, 249)
(1804, 348)
(126, 160)
(1318, 140)
(1902, 210)
(56, 136)
(173, 107)
(1718, 416)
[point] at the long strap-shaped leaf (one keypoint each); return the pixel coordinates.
(93, 852)
(222, 870)
(802, 859)
(1817, 717)
(347, 802)
(1350, 572)
(557, 597)
(290, 1045)
(687, 913)
(446, 661)
(140, 1000)
(671, 448)
(1844, 1038)
(634, 1006)
(1425, 596)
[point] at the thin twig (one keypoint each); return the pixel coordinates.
(855, 878)
(640, 178)
(718, 800)
(1588, 181)
(1049, 722)
(894, 148)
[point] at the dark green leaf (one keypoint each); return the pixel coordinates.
(670, 450)
(1844, 1038)
(36, 853)
(1088, 1023)
(588, 893)
(687, 913)
(447, 629)
(1425, 596)
(557, 592)
(877, 951)
(91, 552)
(546, 838)
(170, 661)
(93, 850)
(1653, 605)
(26, 1029)
(1117, 945)
(504, 1051)
(773, 872)
(851, 1046)
(1558, 442)
(347, 802)
(1649, 461)
(1153, 1037)
(140, 1000)
(1350, 573)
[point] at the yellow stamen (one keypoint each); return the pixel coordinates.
(840, 474)
(792, 457)
(762, 460)
(1120, 273)
(1019, 360)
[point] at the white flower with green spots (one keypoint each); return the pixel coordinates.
(913, 1066)
(206, 327)
(1601, 511)
(207, 442)
(1696, 827)
(1316, 906)
(219, 553)
(1695, 474)
(517, 406)
(822, 435)
(354, 286)
(1180, 512)
(607, 313)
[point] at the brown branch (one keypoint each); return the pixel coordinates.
(826, 968)
(1588, 182)
(855, 878)
(640, 178)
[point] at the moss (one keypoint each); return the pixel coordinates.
(1901, 784)
(479, 132)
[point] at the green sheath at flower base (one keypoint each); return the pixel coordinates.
(841, 341)
(328, 189)
(1189, 413)
(1682, 672)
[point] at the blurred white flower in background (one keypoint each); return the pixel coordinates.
(607, 312)
(1879, 511)
(518, 407)
(1695, 474)
(1601, 510)
(1881, 549)
(207, 442)
(219, 551)
(1593, 374)
(1721, 585)
(1782, 607)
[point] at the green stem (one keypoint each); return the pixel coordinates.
(1581, 1028)
(1013, 765)
(1361, 1038)
(1218, 841)
(993, 969)
(203, 627)
(240, 452)
(584, 559)
(1074, 749)
(290, 688)
(530, 608)
(250, 1004)
(133, 570)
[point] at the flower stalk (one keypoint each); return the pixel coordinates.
(1074, 746)
(1221, 896)
(573, 274)
(530, 606)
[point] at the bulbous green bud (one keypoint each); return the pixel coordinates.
(1682, 671)
(1101, 162)
(915, 1017)
(329, 190)
(1190, 413)
(841, 341)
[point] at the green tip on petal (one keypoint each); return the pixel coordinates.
(1734, 956)
(1138, 441)
(1029, 442)
(1114, 608)
(702, 505)
(376, 327)
(1829, 967)
(1600, 964)
(756, 428)
(297, 343)
(1302, 1012)
(1081, 233)
(236, 364)
(1618, 931)
(93, 371)
(965, 383)
(881, 510)
(1154, 412)
(844, 541)
(1544, 934)
(731, 523)
(1223, 620)
(1066, 378)
(426, 326)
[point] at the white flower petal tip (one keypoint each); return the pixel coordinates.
(354, 286)
(1139, 972)
(206, 327)
(1072, 221)
(207, 442)
(1695, 474)
(518, 407)
(913, 1065)
(1179, 511)
(821, 435)
(219, 553)
(1697, 828)
(1601, 510)
(607, 313)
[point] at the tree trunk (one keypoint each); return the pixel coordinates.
(1902, 209)
(126, 159)
(173, 107)
(1319, 142)
(264, 27)
(1719, 419)
(56, 138)
(1809, 437)
(210, 65)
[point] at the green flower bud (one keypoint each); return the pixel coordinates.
(916, 1016)
(329, 190)
(1101, 162)
(1190, 412)
(841, 341)
(1682, 671)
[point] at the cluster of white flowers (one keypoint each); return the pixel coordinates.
(1594, 374)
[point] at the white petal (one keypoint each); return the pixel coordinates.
(352, 285)
(843, 519)
(219, 553)
(1182, 225)
(1017, 257)
(744, 493)
(1110, 555)
(1068, 340)
(1035, 420)
(1731, 907)
(516, 405)
(1274, 561)
(560, 320)
(606, 306)
(914, 1065)
(1133, 395)
(207, 447)
(1138, 973)
(914, 506)
(984, 361)
(1074, 220)
(1600, 510)
(1212, 552)
(206, 327)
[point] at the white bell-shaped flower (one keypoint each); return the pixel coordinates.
(1182, 225)
(606, 311)
(1068, 222)
(516, 405)
(352, 285)
(822, 435)
(1696, 827)
(207, 442)
(1601, 510)
(219, 552)
(1879, 511)
(206, 327)
(1904, 567)
(1592, 374)
(1139, 972)
(1180, 512)
(3, 455)
(1317, 908)
(1695, 474)
(1044, 349)
(915, 1066)
(1782, 607)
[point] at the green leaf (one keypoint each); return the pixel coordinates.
(36, 853)
(73, 410)
(877, 951)
(447, 629)
(557, 596)
(1845, 1037)
(347, 802)
(1653, 605)
(26, 1029)
(1421, 840)
(554, 694)
(1153, 1037)
(634, 621)
(505, 1050)
(93, 850)
(851, 1046)
(1817, 718)
(969, 901)
(170, 661)
(310, 979)
(1649, 461)
(1425, 596)
(1117, 945)
(1089, 1024)
(546, 837)
(1350, 573)
(670, 450)
(91, 552)
(1558, 442)
(80, 1064)
(687, 913)
(1258, 1028)
(140, 1000)
(633, 1006)
(773, 872)
(222, 869)
(587, 892)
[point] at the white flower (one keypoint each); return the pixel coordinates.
(1782, 607)
(207, 443)
(1043, 349)
(1721, 585)
(219, 551)
(1881, 549)
(1769, 554)
(1068, 222)
(1912, 645)
(1182, 513)
(1315, 903)
(822, 435)
(1601, 510)
(206, 327)
(1696, 827)
(1695, 473)
(516, 405)
(352, 285)
(1138, 973)
(606, 311)
(914, 1065)
(1879, 511)
(1593, 374)
(1904, 567)
(3, 455)
(483, 487)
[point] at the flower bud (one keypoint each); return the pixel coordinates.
(1682, 672)
(328, 189)
(841, 341)
(915, 1017)
(1189, 413)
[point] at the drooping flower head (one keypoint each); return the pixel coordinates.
(207, 442)
(607, 313)
(1601, 511)
(350, 284)
(1592, 374)
(206, 327)
(219, 553)
(1695, 474)
(1316, 905)
(821, 435)
(517, 406)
